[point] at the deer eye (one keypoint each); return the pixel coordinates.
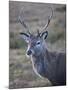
(38, 42)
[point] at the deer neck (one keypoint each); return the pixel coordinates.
(40, 64)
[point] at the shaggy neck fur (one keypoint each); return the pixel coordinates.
(41, 64)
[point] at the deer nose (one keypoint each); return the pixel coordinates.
(29, 52)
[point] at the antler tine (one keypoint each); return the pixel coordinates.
(22, 21)
(49, 18)
(38, 33)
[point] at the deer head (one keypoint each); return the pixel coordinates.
(35, 42)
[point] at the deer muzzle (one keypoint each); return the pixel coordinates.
(29, 52)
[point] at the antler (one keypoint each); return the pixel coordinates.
(22, 21)
(49, 18)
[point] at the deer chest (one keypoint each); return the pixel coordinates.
(38, 67)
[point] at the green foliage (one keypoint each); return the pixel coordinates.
(56, 35)
(11, 34)
(16, 42)
(62, 9)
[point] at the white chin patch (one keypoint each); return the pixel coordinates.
(27, 56)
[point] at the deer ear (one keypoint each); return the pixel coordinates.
(25, 37)
(44, 34)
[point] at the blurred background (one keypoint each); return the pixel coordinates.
(21, 74)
